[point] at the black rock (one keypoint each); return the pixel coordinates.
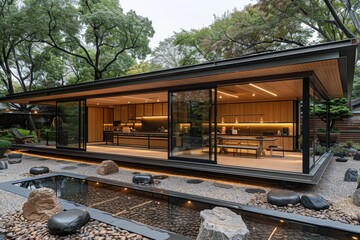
(14, 158)
(314, 202)
(67, 222)
(160, 177)
(194, 181)
(14, 155)
(280, 197)
(351, 175)
(255, 190)
(39, 170)
(143, 179)
(357, 156)
(3, 165)
(342, 159)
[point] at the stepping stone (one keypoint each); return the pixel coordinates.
(67, 222)
(255, 190)
(143, 179)
(194, 181)
(39, 170)
(160, 177)
(221, 185)
(3, 165)
(351, 175)
(342, 159)
(69, 168)
(281, 197)
(314, 202)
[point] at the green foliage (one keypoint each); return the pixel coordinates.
(349, 143)
(143, 67)
(356, 146)
(358, 180)
(4, 144)
(320, 150)
(339, 150)
(338, 110)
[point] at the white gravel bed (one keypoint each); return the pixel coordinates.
(332, 187)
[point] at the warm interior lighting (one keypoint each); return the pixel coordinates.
(97, 183)
(189, 201)
(220, 97)
(355, 238)
(227, 94)
(129, 102)
(97, 104)
(282, 221)
(262, 89)
(256, 124)
(125, 188)
(35, 111)
(253, 94)
(152, 117)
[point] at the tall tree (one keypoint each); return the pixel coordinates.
(97, 32)
(168, 55)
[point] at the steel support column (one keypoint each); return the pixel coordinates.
(327, 125)
(305, 125)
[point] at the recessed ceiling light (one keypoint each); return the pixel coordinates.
(220, 96)
(253, 94)
(227, 94)
(97, 103)
(128, 102)
(262, 89)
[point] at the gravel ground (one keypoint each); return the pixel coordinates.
(332, 187)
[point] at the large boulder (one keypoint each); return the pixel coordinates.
(143, 178)
(351, 175)
(221, 223)
(107, 167)
(3, 165)
(39, 170)
(42, 203)
(314, 202)
(356, 197)
(67, 222)
(280, 197)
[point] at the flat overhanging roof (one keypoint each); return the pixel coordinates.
(331, 65)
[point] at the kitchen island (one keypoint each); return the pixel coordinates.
(139, 139)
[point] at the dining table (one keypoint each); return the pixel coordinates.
(260, 140)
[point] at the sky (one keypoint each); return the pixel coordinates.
(169, 16)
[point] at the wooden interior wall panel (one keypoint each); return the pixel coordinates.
(139, 110)
(108, 115)
(124, 117)
(148, 110)
(165, 109)
(157, 111)
(95, 124)
(117, 113)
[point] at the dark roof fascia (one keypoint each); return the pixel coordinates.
(320, 52)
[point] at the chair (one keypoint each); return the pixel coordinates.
(19, 138)
(277, 148)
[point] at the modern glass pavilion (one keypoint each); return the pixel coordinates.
(240, 116)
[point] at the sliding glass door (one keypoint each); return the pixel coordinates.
(192, 125)
(70, 125)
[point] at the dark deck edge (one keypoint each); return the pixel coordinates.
(312, 178)
(329, 224)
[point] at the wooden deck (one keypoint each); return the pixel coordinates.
(288, 169)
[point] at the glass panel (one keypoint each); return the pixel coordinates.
(191, 114)
(70, 121)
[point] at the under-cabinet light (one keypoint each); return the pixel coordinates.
(262, 89)
(152, 117)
